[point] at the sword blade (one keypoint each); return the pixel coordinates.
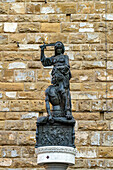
(52, 44)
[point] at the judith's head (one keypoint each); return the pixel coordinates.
(59, 48)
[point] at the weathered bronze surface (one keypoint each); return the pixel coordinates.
(58, 127)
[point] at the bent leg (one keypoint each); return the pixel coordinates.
(47, 103)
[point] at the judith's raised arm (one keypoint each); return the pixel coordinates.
(45, 61)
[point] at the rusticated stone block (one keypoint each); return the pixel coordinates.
(86, 27)
(8, 76)
(14, 125)
(109, 163)
(109, 17)
(84, 95)
(40, 18)
(75, 65)
(11, 56)
(95, 86)
(17, 8)
(36, 86)
(37, 105)
(82, 76)
(108, 116)
(75, 86)
(33, 8)
(26, 138)
(24, 162)
(100, 7)
(79, 17)
(100, 105)
(3, 18)
(82, 138)
(29, 47)
(93, 38)
(35, 64)
(100, 163)
(44, 75)
(3, 39)
(99, 27)
(14, 38)
(66, 8)
(80, 163)
(48, 8)
(57, 18)
(12, 115)
(17, 105)
(86, 116)
(11, 95)
(105, 152)
(20, 18)
(29, 116)
(107, 138)
(11, 152)
(4, 7)
(91, 125)
(10, 27)
(84, 152)
(85, 8)
(8, 138)
(25, 76)
(77, 38)
(11, 86)
(29, 27)
(50, 27)
(16, 65)
(85, 47)
(5, 162)
(94, 17)
(2, 115)
(30, 8)
(2, 125)
(93, 64)
(95, 138)
(4, 105)
(28, 152)
(56, 36)
(31, 95)
(69, 27)
(98, 47)
(33, 38)
(100, 75)
(8, 47)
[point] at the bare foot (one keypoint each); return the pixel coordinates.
(51, 119)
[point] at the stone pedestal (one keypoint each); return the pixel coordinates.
(55, 157)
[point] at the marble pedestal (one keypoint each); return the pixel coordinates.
(55, 157)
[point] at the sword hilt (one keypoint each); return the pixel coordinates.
(47, 45)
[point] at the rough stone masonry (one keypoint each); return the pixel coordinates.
(80, 25)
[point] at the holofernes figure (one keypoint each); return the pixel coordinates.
(58, 94)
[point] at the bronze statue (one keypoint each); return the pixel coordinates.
(57, 129)
(58, 94)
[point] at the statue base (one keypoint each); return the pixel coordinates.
(55, 147)
(58, 132)
(55, 157)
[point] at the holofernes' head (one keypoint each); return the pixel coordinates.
(59, 48)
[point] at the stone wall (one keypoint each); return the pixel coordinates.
(81, 26)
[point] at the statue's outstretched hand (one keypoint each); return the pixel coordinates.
(43, 47)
